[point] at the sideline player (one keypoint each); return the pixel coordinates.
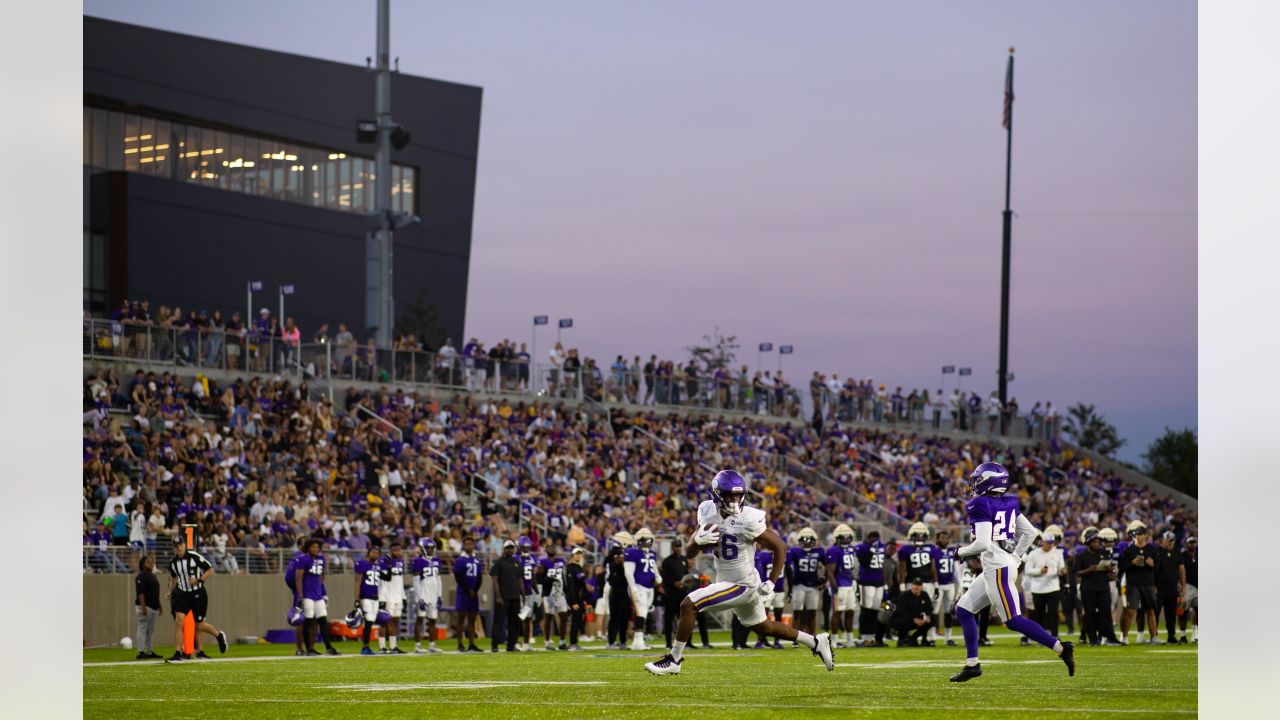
(870, 554)
(528, 598)
(315, 599)
(468, 573)
(805, 567)
(840, 561)
(640, 566)
(392, 598)
(730, 529)
(944, 604)
(368, 584)
(764, 561)
(554, 604)
(291, 582)
(428, 589)
(1001, 536)
(917, 560)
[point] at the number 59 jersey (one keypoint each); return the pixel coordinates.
(735, 555)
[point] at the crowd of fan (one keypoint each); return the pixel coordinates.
(260, 463)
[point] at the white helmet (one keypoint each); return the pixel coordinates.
(1108, 535)
(1053, 533)
(623, 538)
(807, 537)
(918, 533)
(644, 537)
(1135, 528)
(843, 532)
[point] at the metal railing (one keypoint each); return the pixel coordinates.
(236, 560)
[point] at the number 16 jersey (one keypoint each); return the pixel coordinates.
(735, 555)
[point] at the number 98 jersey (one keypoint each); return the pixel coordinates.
(735, 555)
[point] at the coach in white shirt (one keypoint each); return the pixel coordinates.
(1041, 577)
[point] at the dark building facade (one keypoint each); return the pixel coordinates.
(209, 165)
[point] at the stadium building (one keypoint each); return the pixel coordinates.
(210, 165)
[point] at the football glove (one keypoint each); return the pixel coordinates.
(422, 606)
(765, 590)
(382, 605)
(707, 535)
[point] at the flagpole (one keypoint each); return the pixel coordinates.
(1008, 231)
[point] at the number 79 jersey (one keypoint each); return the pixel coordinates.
(735, 555)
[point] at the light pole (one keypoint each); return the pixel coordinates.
(565, 323)
(763, 348)
(533, 353)
(284, 290)
(784, 350)
(252, 286)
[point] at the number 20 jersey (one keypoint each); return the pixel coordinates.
(735, 555)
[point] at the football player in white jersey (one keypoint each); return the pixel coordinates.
(731, 531)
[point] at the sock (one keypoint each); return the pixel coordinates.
(382, 642)
(806, 639)
(324, 631)
(368, 631)
(677, 649)
(393, 642)
(1029, 628)
(969, 627)
(948, 634)
(1057, 647)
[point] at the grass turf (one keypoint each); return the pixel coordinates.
(1135, 681)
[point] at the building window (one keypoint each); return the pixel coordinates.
(153, 145)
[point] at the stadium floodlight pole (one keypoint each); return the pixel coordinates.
(248, 311)
(1008, 231)
(378, 287)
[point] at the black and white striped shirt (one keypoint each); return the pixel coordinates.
(184, 568)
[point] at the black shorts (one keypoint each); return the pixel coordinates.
(195, 602)
(1140, 597)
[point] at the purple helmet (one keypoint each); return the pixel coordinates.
(426, 544)
(355, 619)
(384, 617)
(524, 545)
(729, 492)
(295, 617)
(988, 478)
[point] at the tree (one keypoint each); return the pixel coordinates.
(1091, 431)
(1171, 460)
(422, 321)
(718, 352)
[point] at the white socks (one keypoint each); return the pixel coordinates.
(677, 649)
(1057, 647)
(806, 639)
(393, 642)
(971, 661)
(382, 642)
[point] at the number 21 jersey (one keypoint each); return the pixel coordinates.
(735, 555)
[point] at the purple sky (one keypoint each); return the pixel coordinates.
(829, 175)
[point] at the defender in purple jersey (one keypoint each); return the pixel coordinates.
(309, 576)
(291, 581)
(555, 605)
(1002, 536)
(368, 579)
(640, 567)
(806, 579)
(530, 601)
(948, 574)
(773, 609)
(841, 562)
(468, 572)
(871, 581)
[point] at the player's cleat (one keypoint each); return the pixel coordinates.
(1182, 640)
(1025, 641)
(312, 652)
(177, 657)
(666, 666)
(299, 653)
(984, 642)
(473, 648)
(332, 651)
(549, 645)
(929, 643)
(417, 649)
(759, 645)
(461, 649)
(968, 673)
(574, 648)
(706, 646)
(1069, 657)
(564, 645)
(366, 650)
(822, 648)
(434, 650)
(638, 643)
(951, 643)
(201, 654)
(395, 651)
(222, 642)
(777, 644)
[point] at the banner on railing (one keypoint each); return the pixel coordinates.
(566, 322)
(540, 319)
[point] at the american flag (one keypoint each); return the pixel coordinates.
(1008, 95)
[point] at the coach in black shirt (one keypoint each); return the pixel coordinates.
(188, 572)
(619, 598)
(508, 579)
(1095, 590)
(1171, 581)
(911, 615)
(575, 595)
(1138, 565)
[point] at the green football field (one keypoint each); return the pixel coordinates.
(265, 681)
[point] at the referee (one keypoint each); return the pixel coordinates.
(188, 571)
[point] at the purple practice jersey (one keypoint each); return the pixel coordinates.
(917, 559)
(870, 563)
(527, 564)
(1001, 512)
(467, 572)
(646, 563)
(806, 566)
(843, 557)
(764, 566)
(370, 579)
(946, 560)
(291, 572)
(313, 577)
(553, 575)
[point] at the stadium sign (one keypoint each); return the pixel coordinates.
(540, 319)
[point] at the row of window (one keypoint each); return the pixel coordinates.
(241, 163)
